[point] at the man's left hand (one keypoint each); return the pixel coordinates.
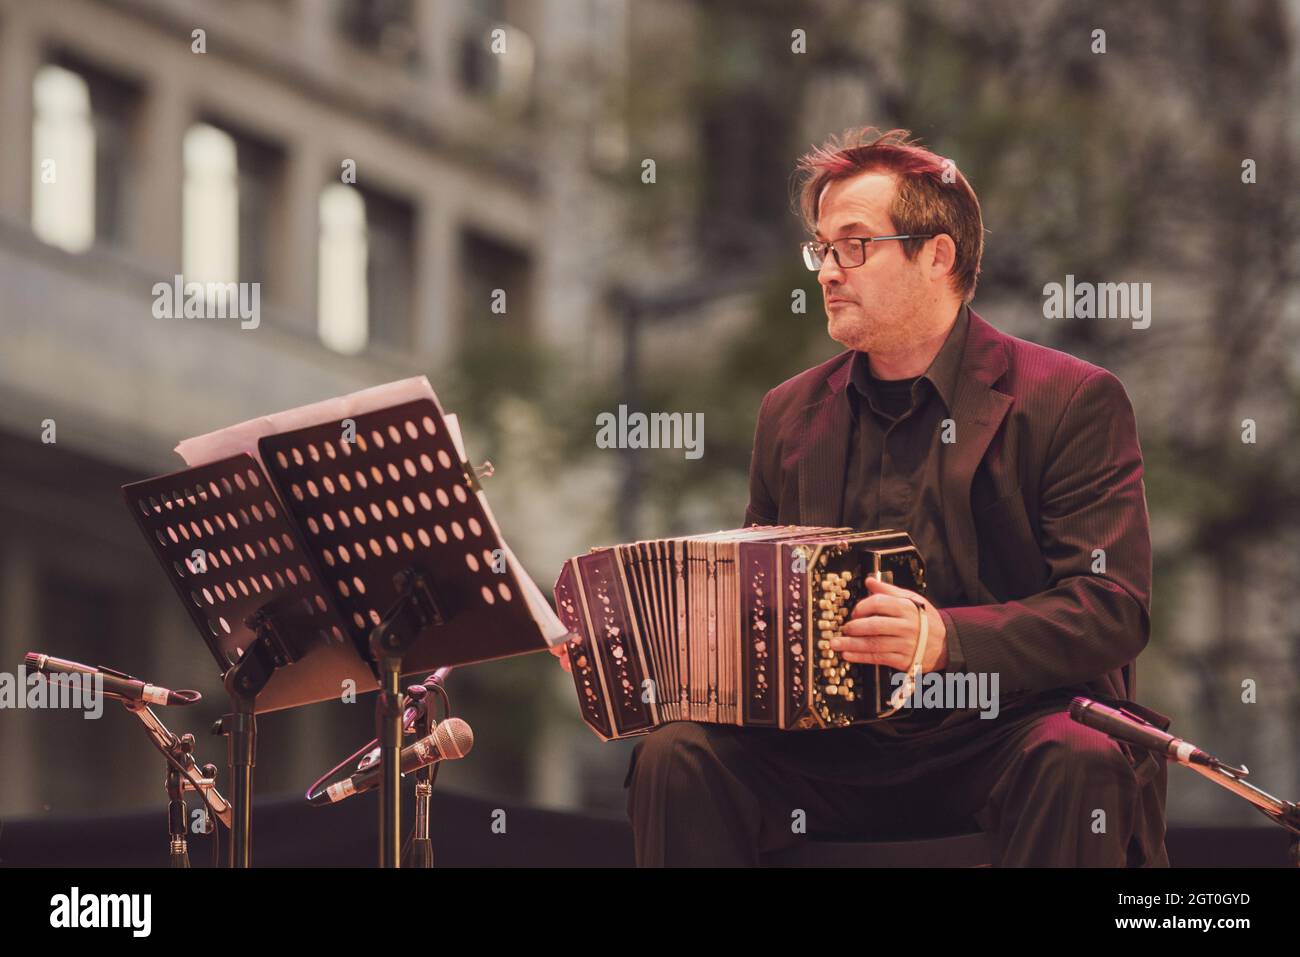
(883, 630)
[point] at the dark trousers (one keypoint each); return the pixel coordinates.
(1049, 791)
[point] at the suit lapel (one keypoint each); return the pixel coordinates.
(824, 452)
(978, 414)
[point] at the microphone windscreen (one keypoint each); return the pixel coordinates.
(454, 738)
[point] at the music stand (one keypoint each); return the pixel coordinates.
(292, 564)
(393, 515)
(239, 566)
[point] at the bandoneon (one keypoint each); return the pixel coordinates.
(732, 627)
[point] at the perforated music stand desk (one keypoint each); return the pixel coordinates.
(287, 572)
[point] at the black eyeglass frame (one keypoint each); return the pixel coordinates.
(814, 248)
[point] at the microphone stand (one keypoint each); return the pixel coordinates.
(183, 774)
(417, 721)
(1285, 814)
(414, 610)
(178, 850)
(416, 718)
(421, 845)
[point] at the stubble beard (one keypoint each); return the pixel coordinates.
(886, 337)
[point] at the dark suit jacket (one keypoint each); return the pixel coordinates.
(1045, 470)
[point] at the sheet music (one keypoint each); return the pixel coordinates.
(234, 439)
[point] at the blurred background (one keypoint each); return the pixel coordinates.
(391, 170)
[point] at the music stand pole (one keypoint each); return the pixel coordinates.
(240, 728)
(388, 719)
(244, 679)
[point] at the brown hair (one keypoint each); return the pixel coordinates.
(932, 197)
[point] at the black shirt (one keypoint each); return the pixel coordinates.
(892, 473)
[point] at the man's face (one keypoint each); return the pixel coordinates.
(881, 305)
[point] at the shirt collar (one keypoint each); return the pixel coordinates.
(943, 370)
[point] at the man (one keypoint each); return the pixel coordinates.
(1017, 472)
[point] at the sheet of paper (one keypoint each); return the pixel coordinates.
(552, 628)
(223, 443)
(453, 426)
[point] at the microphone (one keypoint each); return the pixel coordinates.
(1121, 726)
(450, 740)
(115, 684)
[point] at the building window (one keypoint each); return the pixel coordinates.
(494, 273)
(261, 169)
(744, 178)
(210, 204)
(81, 143)
(390, 229)
(63, 160)
(232, 187)
(343, 320)
(497, 58)
(384, 27)
(113, 106)
(366, 269)
(498, 353)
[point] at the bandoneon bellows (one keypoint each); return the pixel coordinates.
(732, 627)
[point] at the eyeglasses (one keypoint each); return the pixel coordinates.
(849, 252)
